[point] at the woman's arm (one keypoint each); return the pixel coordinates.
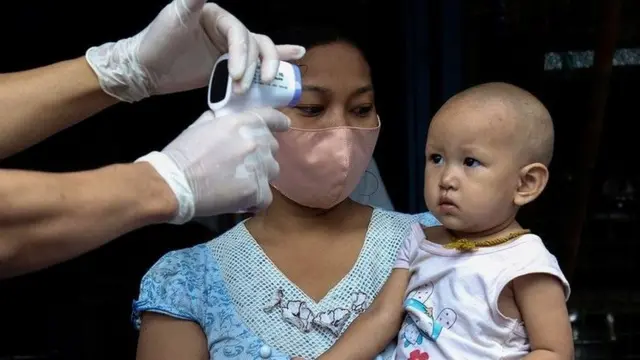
(541, 301)
(48, 218)
(372, 331)
(36, 104)
(166, 338)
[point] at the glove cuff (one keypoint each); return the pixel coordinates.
(177, 182)
(118, 71)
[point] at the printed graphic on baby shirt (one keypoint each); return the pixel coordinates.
(421, 311)
(418, 355)
(411, 335)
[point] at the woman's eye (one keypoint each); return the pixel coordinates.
(310, 110)
(471, 162)
(363, 110)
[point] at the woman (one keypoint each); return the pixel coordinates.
(289, 280)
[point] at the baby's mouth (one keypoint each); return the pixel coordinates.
(447, 204)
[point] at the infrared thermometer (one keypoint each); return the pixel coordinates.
(283, 91)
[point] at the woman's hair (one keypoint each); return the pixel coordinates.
(312, 35)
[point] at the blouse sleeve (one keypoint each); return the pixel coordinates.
(173, 287)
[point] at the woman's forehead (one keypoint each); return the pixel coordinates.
(326, 65)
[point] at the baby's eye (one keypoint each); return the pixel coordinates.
(436, 158)
(310, 110)
(471, 162)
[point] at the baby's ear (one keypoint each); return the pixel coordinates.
(532, 181)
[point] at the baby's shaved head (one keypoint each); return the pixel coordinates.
(532, 122)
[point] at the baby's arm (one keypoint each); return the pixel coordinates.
(372, 331)
(541, 301)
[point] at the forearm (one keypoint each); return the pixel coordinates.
(372, 331)
(546, 355)
(48, 218)
(367, 337)
(36, 104)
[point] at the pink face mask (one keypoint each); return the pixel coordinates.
(319, 168)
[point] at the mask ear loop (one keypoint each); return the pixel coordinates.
(368, 174)
(379, 123)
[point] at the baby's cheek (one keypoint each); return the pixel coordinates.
(490, 207)
(430, 193)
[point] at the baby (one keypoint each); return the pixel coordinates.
(479, 286)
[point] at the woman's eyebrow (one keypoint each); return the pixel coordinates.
(359, 91)
(315, 88)
(363, 89)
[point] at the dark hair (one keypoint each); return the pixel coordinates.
(313, 35)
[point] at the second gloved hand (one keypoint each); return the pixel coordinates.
(177, 51)
(222, 165)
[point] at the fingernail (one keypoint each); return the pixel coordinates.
(270, 69)
(237, 87)
(235, 68)
(299, 52)
(248, 75)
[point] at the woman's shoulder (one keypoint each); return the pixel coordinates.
(190, 263)
(181, 282)
(399, 220)
(385, 215)
(234, 243)
(424, 218)
(174, 285)
(183, 262)
(180, 271)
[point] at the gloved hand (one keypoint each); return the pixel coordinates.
(177, 51)
(222, 165)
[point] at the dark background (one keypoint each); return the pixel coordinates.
(421, 53)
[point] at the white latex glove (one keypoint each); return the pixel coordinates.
(222, 165)
(177, 51)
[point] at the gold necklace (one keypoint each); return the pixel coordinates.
(466, 245)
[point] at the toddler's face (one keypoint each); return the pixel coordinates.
(471, 173)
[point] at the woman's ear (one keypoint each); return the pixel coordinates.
(533, 179)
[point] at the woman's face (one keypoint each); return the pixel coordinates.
(336, 89)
